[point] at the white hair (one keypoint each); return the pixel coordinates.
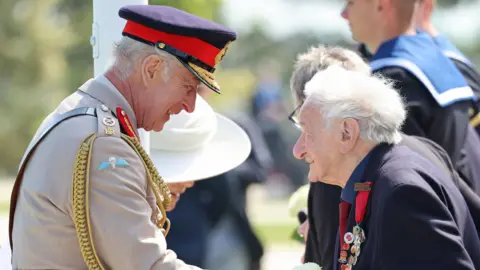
(371, 100)
(129, 52)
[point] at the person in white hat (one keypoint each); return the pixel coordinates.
(223, 237)
(199, 145)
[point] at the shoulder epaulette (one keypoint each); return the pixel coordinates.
(107, 122)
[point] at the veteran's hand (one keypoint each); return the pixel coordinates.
(303, 231)
(176, 189)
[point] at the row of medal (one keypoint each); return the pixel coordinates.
(352, 242)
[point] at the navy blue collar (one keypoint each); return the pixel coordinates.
(421, 56)
(348, 192)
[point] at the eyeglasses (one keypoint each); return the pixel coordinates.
(293, 117)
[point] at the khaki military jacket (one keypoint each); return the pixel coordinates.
(120, 203)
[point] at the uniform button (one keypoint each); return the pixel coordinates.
(108, 121)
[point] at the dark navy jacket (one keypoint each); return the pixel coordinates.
(323, 201)
(437, 96)
(416, 217)
(469, 72)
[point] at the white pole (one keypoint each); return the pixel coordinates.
(107, 28)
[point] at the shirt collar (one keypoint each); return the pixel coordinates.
(101, 89)
(348, 192)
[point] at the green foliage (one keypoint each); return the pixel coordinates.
(79, 54)
(257, 52)
(32, 71)
(236, 86)
(203, 8)
(280, 233)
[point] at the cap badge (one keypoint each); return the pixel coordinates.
(222, 53)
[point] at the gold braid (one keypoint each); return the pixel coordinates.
(155, 181)
(80, 198)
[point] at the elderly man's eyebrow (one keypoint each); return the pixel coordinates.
(192, 84)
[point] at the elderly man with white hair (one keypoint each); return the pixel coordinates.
(87, 195)
(322, 224)
(398, 209)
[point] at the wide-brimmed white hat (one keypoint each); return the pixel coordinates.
(198, 145)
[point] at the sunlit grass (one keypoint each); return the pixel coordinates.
(4, 208)
(278, 233)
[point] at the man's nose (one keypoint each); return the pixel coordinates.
(189, 102)
(299, 149)
(344, 13)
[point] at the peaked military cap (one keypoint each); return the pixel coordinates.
(198, 43)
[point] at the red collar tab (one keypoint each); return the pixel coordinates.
(203, 51)
(361, 201)
(126, 124)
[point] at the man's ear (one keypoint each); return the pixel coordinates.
(151, 68)
(350, 131)
(429, 6)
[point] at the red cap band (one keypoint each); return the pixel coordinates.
(198, 48)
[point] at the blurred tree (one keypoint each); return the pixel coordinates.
(208, 9)
(79, 54)
(34, 37)
(236, 85)
(255, 49)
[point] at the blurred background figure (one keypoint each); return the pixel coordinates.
(269, 111)
(222, 237)
(461, 61)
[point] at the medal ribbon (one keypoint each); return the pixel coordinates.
(126, 124)
(344, 213)
(361, 200)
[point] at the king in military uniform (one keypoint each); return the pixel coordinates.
(87, 196)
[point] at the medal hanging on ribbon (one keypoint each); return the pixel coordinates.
(353, 240)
